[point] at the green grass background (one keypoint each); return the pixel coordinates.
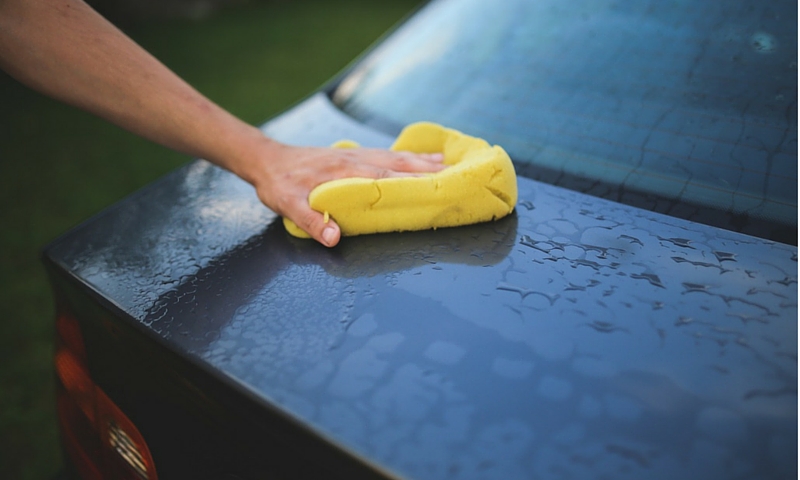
(59, 166)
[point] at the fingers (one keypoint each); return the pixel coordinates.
(375, 163)
(322, 229)
(404, 162)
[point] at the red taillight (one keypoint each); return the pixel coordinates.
(99, 438)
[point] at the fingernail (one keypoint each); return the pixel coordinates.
(329, 235)
(438, 157)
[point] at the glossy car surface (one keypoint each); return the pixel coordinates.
(577, 338)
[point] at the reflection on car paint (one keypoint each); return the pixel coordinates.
(576, 337)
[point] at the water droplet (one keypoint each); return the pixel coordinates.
(524, 292)
(527, 204)
(586, 263)
(650, 277)
(680, 242)
(572, 286)
(695, 287)
(605, 327)
(763, 42)
(725, 256)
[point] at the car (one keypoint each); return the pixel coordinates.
(634, 317)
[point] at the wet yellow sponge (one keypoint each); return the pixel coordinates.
(478, 185)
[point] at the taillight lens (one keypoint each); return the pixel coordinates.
(99, 438)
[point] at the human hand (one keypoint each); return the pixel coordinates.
(89, 63)
(284, 176)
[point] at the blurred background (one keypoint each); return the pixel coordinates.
(59, 166)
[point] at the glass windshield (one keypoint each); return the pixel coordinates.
(687, 107)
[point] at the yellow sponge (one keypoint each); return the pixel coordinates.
(479, 185)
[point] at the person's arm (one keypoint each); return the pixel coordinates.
(66, 50)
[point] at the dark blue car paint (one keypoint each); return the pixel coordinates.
(576, 338)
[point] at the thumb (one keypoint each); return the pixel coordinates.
(313, 224)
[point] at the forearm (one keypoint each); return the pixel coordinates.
(66, 50)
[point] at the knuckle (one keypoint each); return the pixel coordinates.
(340, 163)
(309, 219)
(402, 162)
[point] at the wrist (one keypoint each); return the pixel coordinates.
(251, 156)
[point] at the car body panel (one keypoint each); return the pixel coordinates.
(577, 337)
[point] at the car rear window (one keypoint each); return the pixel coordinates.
(685, 107)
